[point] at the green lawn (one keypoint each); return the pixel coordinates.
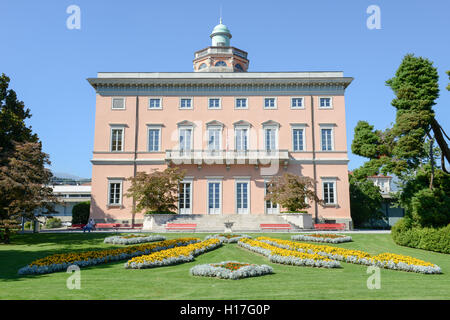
(113, 281)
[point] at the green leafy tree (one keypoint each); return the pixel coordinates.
(24, 186)
(156, 191)
(365, 201)
(23, 176)
(290, 191)
(409, 145)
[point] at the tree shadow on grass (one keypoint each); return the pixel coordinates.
(27, 248)
(9, 270)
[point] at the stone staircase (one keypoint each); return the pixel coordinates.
(216, 223)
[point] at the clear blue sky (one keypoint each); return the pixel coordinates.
(48, 64)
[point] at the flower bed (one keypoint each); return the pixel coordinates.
(133, 239)
(383, 260)
(228, 237)
(230, 270)
(284, 256)
(172, 256)
(322, 237)
(60, 262)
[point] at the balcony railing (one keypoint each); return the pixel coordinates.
(228, 157)
(220, 50)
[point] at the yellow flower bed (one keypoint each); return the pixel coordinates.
(286, 256)
(386, 260)
(58, 262)
(173, 255)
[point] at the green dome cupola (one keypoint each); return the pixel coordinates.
(220, 56)
(220, 35)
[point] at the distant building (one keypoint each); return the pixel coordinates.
(69, 194)
(392, 214)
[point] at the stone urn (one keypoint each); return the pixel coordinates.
(228, 226)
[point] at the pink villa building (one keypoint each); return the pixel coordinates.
(231, 130)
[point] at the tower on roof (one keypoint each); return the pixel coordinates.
(220, 56)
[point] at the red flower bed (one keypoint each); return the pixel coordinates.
(232, 266)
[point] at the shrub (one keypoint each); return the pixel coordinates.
(53, 223)
(28, 225)
(80, 212)
(432, 239)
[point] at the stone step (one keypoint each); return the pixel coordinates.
(210, 223)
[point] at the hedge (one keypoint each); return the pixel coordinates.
(80, 212)
(421, 238)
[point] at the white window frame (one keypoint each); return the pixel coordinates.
(160, 103)
(215, 108)
(124, 103)
(276, 128)
(214, 180)
(327, 126)
(154, 127)
(183, 108)
(298, 127)
(331, 103)
(238, 127)
(296, 107)
(274, 104)
(191, 181)
(332, 180)
(181, 127)
(266, 183)
(240, 108)
(242, 180)
(115, 127)
(120, 182)
(215, 128)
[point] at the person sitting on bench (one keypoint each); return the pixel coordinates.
(89, 226)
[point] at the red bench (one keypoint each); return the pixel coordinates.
(76, 227)
(181, 226)
(128, 226)
(107, 226)
(329, 226)
(275, 226)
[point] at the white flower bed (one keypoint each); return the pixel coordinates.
(306, 237)
(171, 260)
(91, 262)
(134, 240)
(228, 240)
(435, 269)
(296, 261)
(208, 270)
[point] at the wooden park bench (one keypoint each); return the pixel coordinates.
(275, 226)
(329, 226)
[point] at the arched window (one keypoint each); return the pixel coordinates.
(202, 66)
(239, 67)
(221, 64)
